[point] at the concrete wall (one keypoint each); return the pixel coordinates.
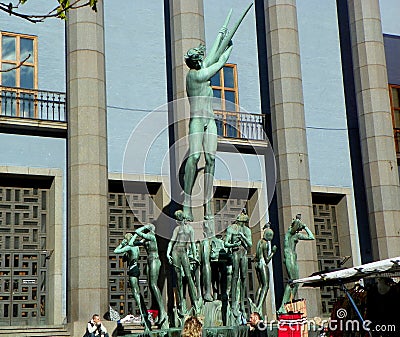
(390, 16)
(392, 52)
(244, 52)
(324, 105)
(136, 81)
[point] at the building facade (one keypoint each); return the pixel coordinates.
(94, 130)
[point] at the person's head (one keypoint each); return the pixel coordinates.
(192, 327)
(96, 319)
(255, 318)
(194, 57)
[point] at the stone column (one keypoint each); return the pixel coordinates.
(87, 168)
(289, 133)
(187, 31)
(376, 129)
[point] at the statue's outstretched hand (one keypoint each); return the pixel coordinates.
(274, 248)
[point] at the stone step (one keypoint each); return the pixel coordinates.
(33, 331)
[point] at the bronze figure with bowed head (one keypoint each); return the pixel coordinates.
(262, 259)
(147, 233)
(238, 239)
(292, 237)
(129, 247)
(182, 236)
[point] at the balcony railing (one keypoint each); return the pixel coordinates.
(33, 104)
(231, 124)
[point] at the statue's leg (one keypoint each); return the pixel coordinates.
(235, 279)
(259, 278)
(179, 284)
(196, 132)
(293, 273)
(243, 277)
(229, 281)
(223, 289)
(153, 273)
(136, 295)
(205, 246)
(197, 280)
(192, 289)
(210, 143)
(264, 286)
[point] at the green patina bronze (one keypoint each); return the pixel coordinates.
(292, 237)
(262, 259)
(202, 126)
(238, 239)
(129, 247)
(182, 236)
(147, 233)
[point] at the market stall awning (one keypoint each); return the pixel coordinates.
(388, 266)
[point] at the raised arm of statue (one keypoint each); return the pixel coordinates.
(309, 236)
(212, 55)
(227, 39)
(145, 232)
(125, 244)
(204, 74)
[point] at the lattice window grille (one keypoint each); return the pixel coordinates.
(23, 257)
(328, 249)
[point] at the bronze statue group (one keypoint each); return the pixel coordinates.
(215, 270)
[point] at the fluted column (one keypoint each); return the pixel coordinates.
(289, 133)
(375, 126)
(87, 168)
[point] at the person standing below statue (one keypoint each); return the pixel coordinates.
(183, 235)
(262, 259)
(147, 233)
(292, 237)
(202, 126)
(129, 247)
(238, 239)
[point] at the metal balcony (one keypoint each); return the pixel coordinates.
(30, 111)
(35, 104)
(240, 125)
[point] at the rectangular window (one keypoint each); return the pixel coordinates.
(394, 91)
(226, 104)
(224, 85)
(18, 78)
